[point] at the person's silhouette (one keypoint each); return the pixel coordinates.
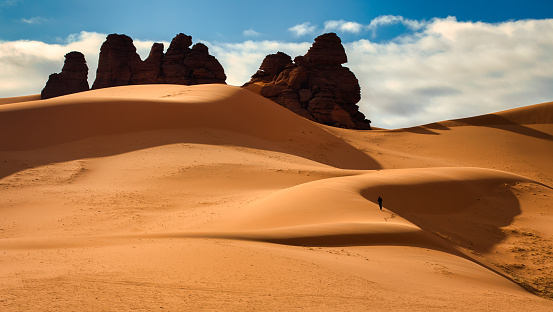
(380, 202)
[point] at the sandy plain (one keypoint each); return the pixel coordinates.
(212, 198)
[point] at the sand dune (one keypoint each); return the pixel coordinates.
(210, 114)
(211, 197)
(528, 115)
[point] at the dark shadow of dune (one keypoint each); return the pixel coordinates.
(417, 238)
(425, 129)
(338, 235)
(490, 120)
(502, 123)
(467, 215)
(436, 126)
(43, 135)
(417, 130)
(411, 239)
(294, 236)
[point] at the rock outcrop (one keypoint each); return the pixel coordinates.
(119, 64)
(73, 77)
(315, 86)
(118, 58)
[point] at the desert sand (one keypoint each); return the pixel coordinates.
(211, 197)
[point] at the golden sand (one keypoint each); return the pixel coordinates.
(211, 197)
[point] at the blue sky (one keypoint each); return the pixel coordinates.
(224, 20)
(417, 61)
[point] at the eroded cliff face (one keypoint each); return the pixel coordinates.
(316, 85)
(119, 64)
(73, 77)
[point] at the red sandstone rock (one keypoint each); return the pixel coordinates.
(173, 68)
(316, 85)
(149, 71)
(272, 66)
(119, 64)
(326, 51)
(72, 79)
(298, 78)
(118, 58)
(204, 67)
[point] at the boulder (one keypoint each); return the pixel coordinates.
(316, 85)
(72, 78)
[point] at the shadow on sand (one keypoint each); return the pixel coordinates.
(28, 138)
(467, 215)
(490, 121)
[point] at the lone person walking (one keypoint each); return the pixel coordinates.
(380, 202)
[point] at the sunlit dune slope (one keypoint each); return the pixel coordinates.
(518, 141)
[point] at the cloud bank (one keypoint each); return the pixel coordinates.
(441, 69)
(453, 69)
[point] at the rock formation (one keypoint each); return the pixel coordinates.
(73, 77)
(315, 86)
(119, 64)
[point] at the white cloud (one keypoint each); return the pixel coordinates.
(454, 69)
(343, 26)
(143, 47)
(303, 29)
(33, 20)
(250, 33)
(242, 60)
(27, 64)
(387, 20)
(445, 69)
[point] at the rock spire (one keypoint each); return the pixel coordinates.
(72, 79)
